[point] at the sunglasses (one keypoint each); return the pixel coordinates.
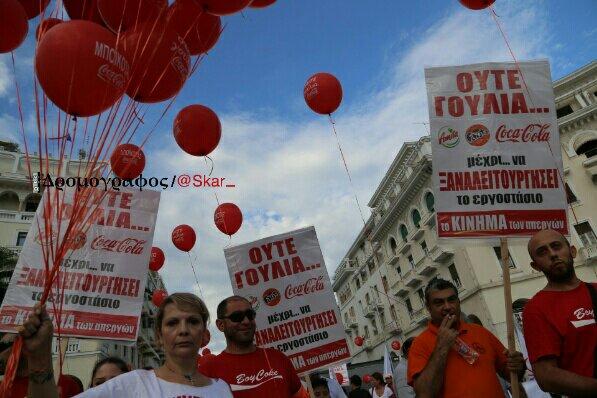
(239, 316)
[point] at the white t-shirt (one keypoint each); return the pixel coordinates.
(145, 384)
(387, 393)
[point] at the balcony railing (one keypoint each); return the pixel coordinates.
(392, 328)
(16, 216)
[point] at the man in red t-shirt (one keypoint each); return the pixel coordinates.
(559, 321)
(252, 372)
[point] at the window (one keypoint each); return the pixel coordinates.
(430, 202)
(424, 248)
(421, 296)
(351, 312)
(586, 233)
(382, 317)
(563, 111)
(393, 245)
(393, 311)
(366, 332)
(498, 253)
(409, 306)
(21, 238)
(358, 283)
(374, 324)
(367, 298)
(346, 319)
(416, 217)
(403, 232)
(570, 196)
(384, 281)
(589, 148)
(454, 275)
(371, 266)
(411, 260)
(399, 271)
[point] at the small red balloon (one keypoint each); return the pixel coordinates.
(323, 93)
(395, 345)
(34, 7)
(127, 161)
(476, 4)
(160, 62)
(261, 3)
(358, 341)
(83, 9)
(339, 378)
(121, 15)
(79, 68)
(156, 259)
(224, 7)
(184, 237)
(197, 130)
(158, 297)
(46, 25)
(228, 218)
(366, 379)
(199, 29)
(13, 25)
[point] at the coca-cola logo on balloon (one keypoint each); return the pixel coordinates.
(311, 285)
(127, 245)
(271, 297)
(107, 74)
(530, 133)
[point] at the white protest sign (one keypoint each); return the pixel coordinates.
(285, 278)
(102, 277)
(340, 373)
(497, 166)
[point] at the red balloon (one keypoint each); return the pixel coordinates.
(158, 297)
(156, 259)
(323, 93)
(79, 68)
(395, 345)
(228, 218)
(199, 29)
(261, 3)
(121, 15)
(13, 25)
(366, 379)
(46, 25)
(184, 237)
(83, 9)
(197, 130)
(339, 378)
(476, 4)
(34, 7)
(224, 7)
(358, 341)
(160, 62)
(127, 161)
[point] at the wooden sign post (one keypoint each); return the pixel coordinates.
(514, 383)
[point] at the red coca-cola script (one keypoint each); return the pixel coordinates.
(127, 245)
(530, 133)
(311, 285)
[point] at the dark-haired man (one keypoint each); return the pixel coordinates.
(252, 372)
(437, 369)
(356, 390)
(559, 321)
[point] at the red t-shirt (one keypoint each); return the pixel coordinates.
(266, 372)
(562, 325)
(68, 387)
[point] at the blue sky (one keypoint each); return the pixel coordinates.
(282, 156)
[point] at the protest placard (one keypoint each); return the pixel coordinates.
(99, 290)
(497, 165)
(340, 374)
(285, 279)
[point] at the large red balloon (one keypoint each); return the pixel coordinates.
(79, 68)
(121, 15)
(46, 25)
(83, 9)
(34, 7)
(476, 4)
(228, 218)
(261, 3)
(366, 379)
(184, 237)
(358, 341)
(224, 7)
(13, 25)
(127, 161)
(160, 62)
(395, 345)
(323, 93)
(199, 29)
(158, 297)
(156, 259)
(197, 130)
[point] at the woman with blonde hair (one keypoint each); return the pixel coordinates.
(181, 330)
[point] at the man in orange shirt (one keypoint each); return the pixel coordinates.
(437, 369)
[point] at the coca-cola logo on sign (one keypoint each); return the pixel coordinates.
(127, 245)
(311, 285)
(530, 133)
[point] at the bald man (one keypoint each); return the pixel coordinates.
(559, 321)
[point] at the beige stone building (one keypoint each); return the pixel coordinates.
(17, 208)
(397, 252)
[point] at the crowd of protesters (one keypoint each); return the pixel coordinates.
(454, 356)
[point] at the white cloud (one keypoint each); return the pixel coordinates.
(5, 79)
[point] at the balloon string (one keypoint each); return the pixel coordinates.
(212, 165)
(505, 37)
(346, 167)
(195, 273)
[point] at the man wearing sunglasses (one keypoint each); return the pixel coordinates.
(252, 372)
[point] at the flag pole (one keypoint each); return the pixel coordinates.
(514, 383)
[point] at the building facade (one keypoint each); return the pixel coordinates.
(380, 282)
(17, 208)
